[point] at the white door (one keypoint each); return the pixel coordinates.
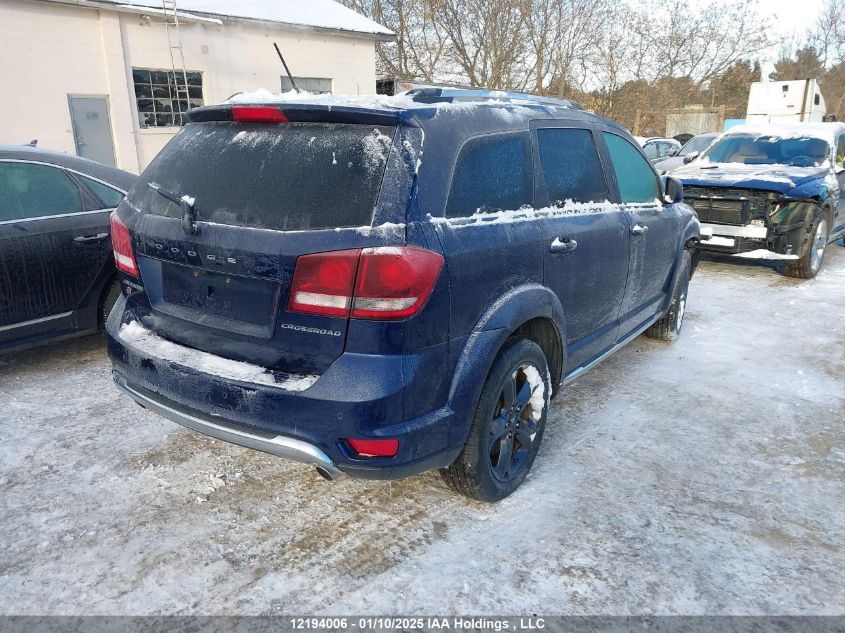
(92, 128)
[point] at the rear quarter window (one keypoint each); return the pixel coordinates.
(108, 196)
(492, 173)
(291, 177)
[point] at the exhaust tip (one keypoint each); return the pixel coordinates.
(325, 474)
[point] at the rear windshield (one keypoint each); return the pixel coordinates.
(291, 177)
(697, 144)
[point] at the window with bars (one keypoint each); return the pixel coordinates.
(162, 96)
(314, 85)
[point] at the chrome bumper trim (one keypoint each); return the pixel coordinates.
(35, 321)
(727, 230)
(281, 446)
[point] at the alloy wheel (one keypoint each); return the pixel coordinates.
(819, 245)
(514, 425)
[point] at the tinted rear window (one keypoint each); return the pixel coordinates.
(493, 173)
(293, 177)
(571, 166)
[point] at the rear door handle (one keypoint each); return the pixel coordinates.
(87, 239)
(562, 245)
(639, 229)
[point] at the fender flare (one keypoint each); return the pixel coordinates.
(511, 310)
(691, 237)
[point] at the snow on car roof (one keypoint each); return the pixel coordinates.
(384, 102)
(376, 102)
(824, 131)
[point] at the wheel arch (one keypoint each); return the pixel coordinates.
(531, 311)
(690, 239)
(827, 209)
(105, 287)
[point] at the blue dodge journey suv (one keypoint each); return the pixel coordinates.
(379, 287)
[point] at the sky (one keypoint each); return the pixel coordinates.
(790, 20)
(793, 16)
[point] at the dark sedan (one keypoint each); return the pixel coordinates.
(57, 274)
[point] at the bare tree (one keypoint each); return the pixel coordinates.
(543, 28)
(699, 43)
(418, 52)
(828, 36)
(618, 57)
(486, 40)
(578, 39)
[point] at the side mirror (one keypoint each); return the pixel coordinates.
(674, 190)
(690, 157)
(839, 168)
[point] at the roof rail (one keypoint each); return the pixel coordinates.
(439, 95)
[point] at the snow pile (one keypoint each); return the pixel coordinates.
(529, 213)
(376, 147)
(538, 391)
(730, 173)
(762, 253)
(384, 229)
(508, 109)
(264, 96)
(824, 131)
(152, 346)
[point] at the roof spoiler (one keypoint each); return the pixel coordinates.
(304, 113)
(452, 95)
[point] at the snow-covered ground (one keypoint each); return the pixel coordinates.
(699, 477)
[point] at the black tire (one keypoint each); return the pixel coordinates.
(107, 301)
(668, 327)
(815, 243)
(482, 471)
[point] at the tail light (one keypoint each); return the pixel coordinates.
(323, 283)
(385, 283)
(124, 258)
(258, 114)
(394, 283)
(374, 448)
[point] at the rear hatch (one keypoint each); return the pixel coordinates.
(261, 194)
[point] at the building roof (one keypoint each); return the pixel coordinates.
(321, 14)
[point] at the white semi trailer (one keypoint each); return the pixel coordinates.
(785, 101)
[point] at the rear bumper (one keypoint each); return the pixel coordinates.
(278, 445)
(358, 396)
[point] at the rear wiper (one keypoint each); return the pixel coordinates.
(186, 204)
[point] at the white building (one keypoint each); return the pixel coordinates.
(95, 77)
